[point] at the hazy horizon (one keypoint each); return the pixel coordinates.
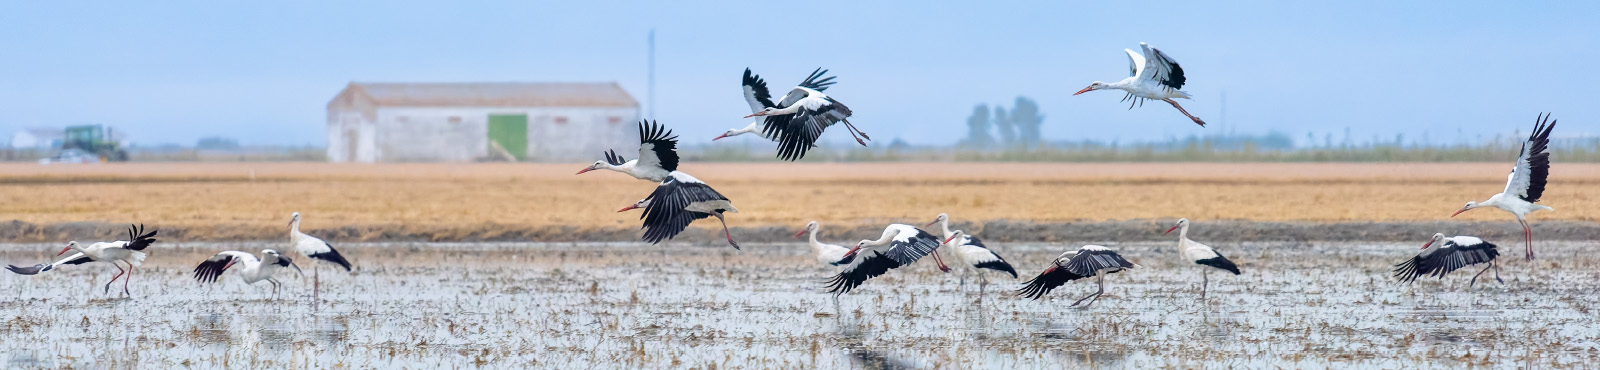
(262, 73)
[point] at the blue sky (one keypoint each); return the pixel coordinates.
(262, 71)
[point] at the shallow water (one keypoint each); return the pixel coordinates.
(501, 305)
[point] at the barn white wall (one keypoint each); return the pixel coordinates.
(460, 134)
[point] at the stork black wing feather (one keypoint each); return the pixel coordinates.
(853, 276)
(138, 240)
(1047, 281)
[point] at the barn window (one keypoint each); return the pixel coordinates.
(455, 119)
(561, 120)
(402, 119)
(614, 120)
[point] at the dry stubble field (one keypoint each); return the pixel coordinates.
(220, 201)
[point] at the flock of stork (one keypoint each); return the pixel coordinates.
(797, 121)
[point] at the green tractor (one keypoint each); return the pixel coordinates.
(95, 140)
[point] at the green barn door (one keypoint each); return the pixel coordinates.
(511, 132)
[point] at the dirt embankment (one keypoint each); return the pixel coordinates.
(995, 231)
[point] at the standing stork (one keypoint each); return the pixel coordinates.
(829, 254)
(1453, 253)
(797, 121)
(1087, 261)
(315, 249)
(1201, 254)
(1152, 76)
(254, 269)
(1526, 182)
(970, 253)
(900, 245)
(678, 201)
(658, 155)
(128, 251)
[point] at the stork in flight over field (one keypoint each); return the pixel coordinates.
(254, 269)
(1088, 261)
(1152, 76)
(658, 155)
(797, 121)
(1451, 254)
(678, 201)
(1526, 182)
(1201, 254)
(313, 248)
(899, 246)
(129, 252)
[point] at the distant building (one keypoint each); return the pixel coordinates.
(456, 122)
(37, 138)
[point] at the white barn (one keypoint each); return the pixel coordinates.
(459, 122)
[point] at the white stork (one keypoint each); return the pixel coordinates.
(756, 94)
(970, 253)
(678, 201)
(900, 245)
(1451, 254)
(313, 248)
(254, 269)
(799, 119)
(1526, 182)
(1087, 261)
(658, 155)
(1201, 254)
(1152, 76)
(828, 254)
(128, 251)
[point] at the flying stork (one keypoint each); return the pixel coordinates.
(1152, 76)
(797, 121)
(658, 155)
(313, 248)
(678, 201)
(1451, 254)
(900, 245)
(1526, 182)
(128, 251)
(254, 269)
(1201, 254)
(1088, 261)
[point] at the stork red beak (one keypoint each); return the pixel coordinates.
(230, 264)
(63, 251)
(629, 207)
(931, 223)
(1459, 212)
(586, 169)
(1169, 231)
(1086, 89)
(719, 137)
(798, 234)
(947, 240)
(852, 252)
(1425, 245)
(753, 115)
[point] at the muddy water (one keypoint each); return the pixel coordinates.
(484, 305)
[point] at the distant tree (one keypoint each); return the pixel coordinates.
(1026, 118)
(1008, 129)
(978, 128)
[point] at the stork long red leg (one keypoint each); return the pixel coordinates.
(857, 130)
(125, 280)
(1527, 237)
(1185, 112)
(936, 258)
(725, 230)
(114, 278)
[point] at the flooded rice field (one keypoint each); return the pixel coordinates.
(484, 305)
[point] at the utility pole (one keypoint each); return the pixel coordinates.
(651, 113)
